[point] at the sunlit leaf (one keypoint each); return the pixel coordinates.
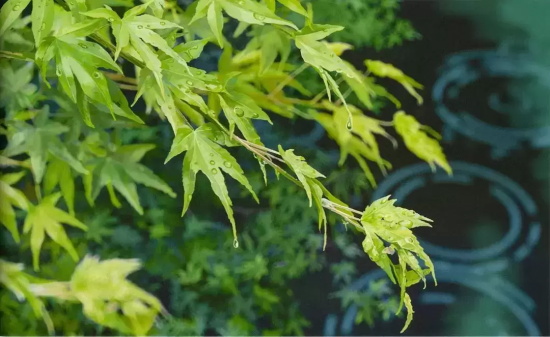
(46, 219)
(417, 139)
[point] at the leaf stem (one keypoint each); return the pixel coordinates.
(288, 79)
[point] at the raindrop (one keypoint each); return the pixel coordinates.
(148, 26)
(212, 162)
(349, 126)
(97, 74)
(214, 87)
(83, 46)
(16, 7)
(111, 19)
(259, 17)
(409, 240)
(239, 112)
(235, 243)
(227, 164)
(211, 154)
(189, 82)
(214, 171)
(388, 217)
(388, 250)
(140, 27)
(162, 23)
(255, 115)
(405, 222)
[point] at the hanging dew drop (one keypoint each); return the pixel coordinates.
(349, 126)
(235, 243)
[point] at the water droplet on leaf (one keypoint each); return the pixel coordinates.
(226, 164)
(189, 82)
(97, 74)
(16, 7)
(259, 17)
(214, 171)
(239, 112)
(405, 222)
(255, 115)
(140, 26)
(83, 46)
(162, 23)
(212, 162)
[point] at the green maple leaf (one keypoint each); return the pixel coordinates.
(307, 176)
(135, 33)
(206, 156)
(10, 197)
(382, 69)
(17, 91)
(246, 11)
(358, 141)
(20, 283)
(385, 223)
(78, 70)
(10, 13)
(120, 171)
(417, 139)
(109, 299)
(39, 141)
(45, 218)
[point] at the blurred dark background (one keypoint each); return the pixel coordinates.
(485, 67)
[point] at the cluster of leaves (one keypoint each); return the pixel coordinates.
(375, 23)
(74, 124)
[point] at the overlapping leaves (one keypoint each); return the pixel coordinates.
(46, 219)
(10, 197)
(387, 231)
(206, 156)
(121, 171)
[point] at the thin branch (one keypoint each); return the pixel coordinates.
(120, 78)
(13, 55)
(287, 80)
